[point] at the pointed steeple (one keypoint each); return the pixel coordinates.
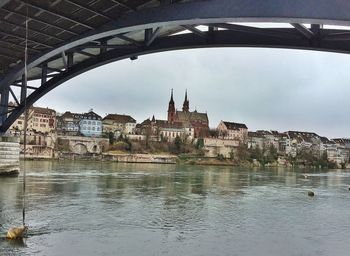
(186, 105)
(171, 108)
(153, 119)
(171, 98)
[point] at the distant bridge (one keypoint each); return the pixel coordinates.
(69, 37)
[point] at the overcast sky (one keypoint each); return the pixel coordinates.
(272, 89)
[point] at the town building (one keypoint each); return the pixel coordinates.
(214, 147)
(255, 140)
(76, 124)
(162, 130)
(68, 124)
(90, 124)
(118, 124)
(42, 120)
(265, 139)
(233, 131)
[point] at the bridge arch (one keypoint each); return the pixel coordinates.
(80, 148)
(154, 28)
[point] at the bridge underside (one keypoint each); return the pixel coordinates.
(69, 37)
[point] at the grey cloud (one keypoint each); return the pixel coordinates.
(264, 88)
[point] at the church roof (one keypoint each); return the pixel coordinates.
(191, 116)
(166, 124)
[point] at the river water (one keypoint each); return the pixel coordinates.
(88, 208)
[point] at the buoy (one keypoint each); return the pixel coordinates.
(310, 193)
(16, 233)
(305, 176)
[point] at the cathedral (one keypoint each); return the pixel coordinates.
(199, 122)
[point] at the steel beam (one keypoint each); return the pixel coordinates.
(129, 40)
(194, 30)
(204, 12)
(153, 36)
(3, 2)
(14, 96)
(303, 30)
(89, 8)
(32, 30)
(221, 38)
(43, 73)
(19, 46)
(86, 53)
(210, 12)
(103, 46)
(23, 89)
(62, 16)
(9, 57)
(123, 5)
(258, 31)
(28, 87)
(4, 101)
(36, 19)
(6, 33)
(70, 59)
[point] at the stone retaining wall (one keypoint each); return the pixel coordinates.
(141, 158)
(9, 156)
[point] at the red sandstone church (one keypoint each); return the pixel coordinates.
(195, 120)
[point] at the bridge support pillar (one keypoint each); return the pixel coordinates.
(4, 101)
(9, 156)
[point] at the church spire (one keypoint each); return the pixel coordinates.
(171, 98)
(171, 108)
(186, 105)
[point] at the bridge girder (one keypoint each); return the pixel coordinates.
(154, 30)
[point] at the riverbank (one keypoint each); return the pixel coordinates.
(117, 156)
(207, 161)
(122, 158)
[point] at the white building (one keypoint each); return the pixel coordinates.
(233, 131)
(90, 124)
(118, 124)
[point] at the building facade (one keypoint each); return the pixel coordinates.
(68, 124)
(233, 131)
(90, 124)
(196, 121)
(41, 120)
(118, 124)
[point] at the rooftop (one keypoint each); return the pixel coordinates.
(120, 118)
(234, 126)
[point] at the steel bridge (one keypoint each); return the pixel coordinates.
(69, 37)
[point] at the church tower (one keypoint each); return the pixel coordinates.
(186, 105)
(171, 109)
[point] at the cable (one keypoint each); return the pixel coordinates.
(25, 120)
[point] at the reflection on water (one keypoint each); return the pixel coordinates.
(83, 208)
